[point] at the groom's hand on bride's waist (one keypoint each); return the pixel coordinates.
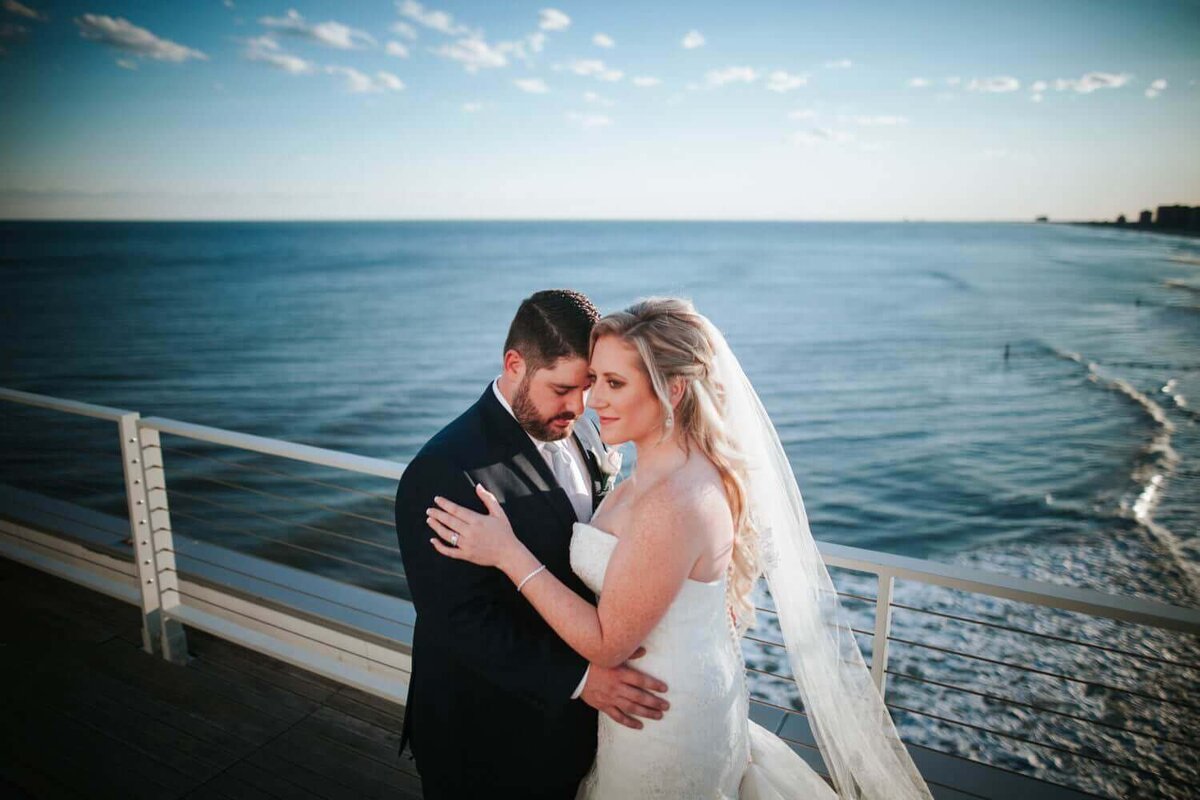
(624, 693)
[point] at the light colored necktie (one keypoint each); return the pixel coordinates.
(560, 465)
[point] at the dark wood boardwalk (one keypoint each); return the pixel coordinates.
(87, 713)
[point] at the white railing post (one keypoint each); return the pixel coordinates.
(153, 514)
(883, 626)
(139, 531)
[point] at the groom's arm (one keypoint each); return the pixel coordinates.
(475, 606)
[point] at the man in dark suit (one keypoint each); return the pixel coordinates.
(497, 704)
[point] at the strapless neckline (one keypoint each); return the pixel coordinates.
(719, 581)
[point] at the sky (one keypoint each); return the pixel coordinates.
(789, 109)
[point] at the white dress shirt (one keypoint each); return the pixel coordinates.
(580, 494)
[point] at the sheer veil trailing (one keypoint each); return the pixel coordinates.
(857, 738)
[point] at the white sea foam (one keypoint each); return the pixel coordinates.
(1153, 470)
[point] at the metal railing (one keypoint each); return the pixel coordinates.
(363, 638)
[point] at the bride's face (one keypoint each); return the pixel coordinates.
(621, 393)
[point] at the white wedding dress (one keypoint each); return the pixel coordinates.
(705, 746)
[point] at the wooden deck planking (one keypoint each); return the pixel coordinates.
(89, 714)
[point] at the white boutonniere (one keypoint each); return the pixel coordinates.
(610, 465)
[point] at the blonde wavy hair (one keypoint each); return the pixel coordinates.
(670, 336)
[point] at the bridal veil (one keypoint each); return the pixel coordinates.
(856, 736)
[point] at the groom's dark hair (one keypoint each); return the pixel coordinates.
(552, 324)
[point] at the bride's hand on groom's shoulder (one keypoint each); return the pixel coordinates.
(624, 693)
(484, 539)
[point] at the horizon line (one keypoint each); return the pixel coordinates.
(900, 220)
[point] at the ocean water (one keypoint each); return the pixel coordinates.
(1020, 398)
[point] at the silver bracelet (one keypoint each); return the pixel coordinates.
(525, 580)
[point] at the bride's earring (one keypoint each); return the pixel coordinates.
(670, 423)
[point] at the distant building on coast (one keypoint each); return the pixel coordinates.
(1166, 219)
(1182, 218)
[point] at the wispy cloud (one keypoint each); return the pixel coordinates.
(589, 120)
(646, 80)
(551, 19)
(394, 48)
(692, 40)
(440, 21)
(720, 77)
(361, 83)
(329, 33)
(839, 63)
(121, 34)
(266, 50)
(386, 80)
(878, 120)
(820, 135)
(13, 7)
(1002, 83)
(802, 113)
(532, 85)
(472, 107)
(473, 54)
(1156, 88)
(780, 81)
(603, 40)
(597, 99)
(405, 30)
(1093, 81)
(593, 68)
(918, 83)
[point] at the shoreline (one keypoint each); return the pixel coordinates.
(1183, 232)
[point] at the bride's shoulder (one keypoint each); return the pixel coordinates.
(690, 499)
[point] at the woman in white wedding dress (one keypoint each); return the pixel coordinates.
(673, 555)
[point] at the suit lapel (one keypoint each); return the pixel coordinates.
(526, 460)
(592, 448)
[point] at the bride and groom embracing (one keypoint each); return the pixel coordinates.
(546, 593)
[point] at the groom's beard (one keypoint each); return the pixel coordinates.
(527, 414)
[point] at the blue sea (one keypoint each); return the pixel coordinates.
(1014, 397)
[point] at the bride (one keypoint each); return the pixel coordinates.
(673, 555)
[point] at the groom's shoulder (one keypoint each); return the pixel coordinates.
(458, 440)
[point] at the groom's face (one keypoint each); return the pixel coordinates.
(548, 401)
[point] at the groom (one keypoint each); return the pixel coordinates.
(497, 703)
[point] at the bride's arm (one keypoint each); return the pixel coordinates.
(645, 573)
